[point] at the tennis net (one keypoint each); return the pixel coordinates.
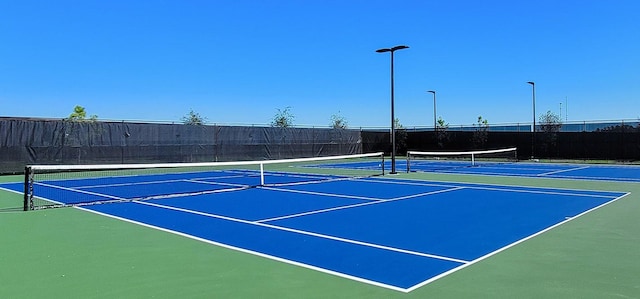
(437, 161)
(49, 186)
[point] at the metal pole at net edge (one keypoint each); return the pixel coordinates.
(261, 174)
(27, 198)
(408, 162)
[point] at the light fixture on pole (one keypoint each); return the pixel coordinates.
(393, 127)
(435, 123)
(533, 132)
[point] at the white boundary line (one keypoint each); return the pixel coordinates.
(563, 170)
(79, 191)
(354, 205)
(495, 187)
(465, 263)
(597, 179)
(323, 194)
(193, 180)
(568, 178)
(256, 253)
(302, 232)
(510, 245)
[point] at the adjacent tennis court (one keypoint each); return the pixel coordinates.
(397, 234)
(501, 162)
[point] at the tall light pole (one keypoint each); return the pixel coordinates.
(533, 132)
(435, 127)
(393, 126)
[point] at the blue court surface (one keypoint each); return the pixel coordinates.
(392, 233)
(621, 173)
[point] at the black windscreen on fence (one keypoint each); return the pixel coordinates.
(26, 141)
(620, 146)
(35, 141)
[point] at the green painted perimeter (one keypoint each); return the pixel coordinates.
(70, 253)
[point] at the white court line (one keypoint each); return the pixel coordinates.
(353, 206)
(252, 252)
(465, 263)
(428, 193)
(597, 179)
(521, 175)
(544, 192)
(79, 191)
(564, 170)
(507, 188)
(302, 232)
(127, 184)
(215, 183)
(432, 279)
(114, 199)
(323, 194)
(194, 180)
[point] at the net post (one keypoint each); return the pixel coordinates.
(28, 190)
(382, 163)
(261, 174)
(408, 161)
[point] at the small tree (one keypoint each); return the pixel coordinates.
(283, 118)
(442, 135)
(193, 118)
(80, 114)
(480, 135)
(77, 125)
(401, 136)
(550, 122)
(338, 121)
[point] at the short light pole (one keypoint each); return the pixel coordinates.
(435, 123)
(393, 126)
(560, 118)
(533, 132)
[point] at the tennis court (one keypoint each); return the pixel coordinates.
(396, 234)
(492, 167)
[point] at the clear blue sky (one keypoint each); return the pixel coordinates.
(236, 62)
